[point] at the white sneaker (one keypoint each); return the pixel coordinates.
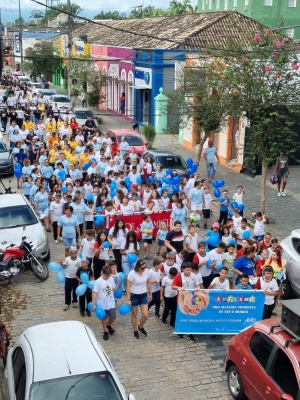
(56, 241)
(278, 194)
(283, 194)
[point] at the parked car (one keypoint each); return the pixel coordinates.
(61, 360)
(263, 363)
(6, 161)
(16, 212)
(81, 115)
(24, 78)
(60, 100)
(36, 86)
(291, 253)
(168, 160)
(47, 93)
(132, 138)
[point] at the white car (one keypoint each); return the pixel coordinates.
(61, 360)
(47, 93)
(291, 253)
(24, 79)
(61, 101)
(36, 86)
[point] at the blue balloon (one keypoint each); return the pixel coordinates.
(80, 256)
(106, 244)
(246, 235)
(189, 162)
(124, 309)
(93, 159)
(164, 186)
(18, 173)
(207, 250)
(91, 284)
(89, 197)
(132, 258)
(54, 267)
(139, 180)
(113, 185)
(100, 208)
(113, 193)
(118, 293)
(97, 222)
(215, 184)
(190, 171)
(221, 183)
(60, 277)
(100, 219)
(121, 276)
(241, 207)
(234, 205)
(232, 242)
(169, 172)
(175, 188)
(127, 179)
(61, 173)
(90, 306)
(194, 167)
(151, 179)
(203, 241)
(100, 313)
(18, 166)
(176, 180)
(217, 193)
(84, 277)
(208, 264)
(220, 266)
(81, 289)
(64, 189)
(168, 181)
(230, 214)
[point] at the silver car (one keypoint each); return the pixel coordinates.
(81, 115)
(61, 101)
(16, 212)
(47, 93)
(61, 360)
(291, 253)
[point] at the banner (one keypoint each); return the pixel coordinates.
(218, 312)
(134, 222)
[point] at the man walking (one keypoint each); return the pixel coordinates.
(209, 155)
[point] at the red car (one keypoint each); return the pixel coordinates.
(132, 138)
(263, 362)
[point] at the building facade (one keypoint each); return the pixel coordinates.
(272, 13)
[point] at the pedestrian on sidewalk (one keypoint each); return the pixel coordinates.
(209, 155)
(83, 100)
(282, 172)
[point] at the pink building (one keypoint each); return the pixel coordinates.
(117, 64)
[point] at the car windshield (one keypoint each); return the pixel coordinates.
(97, 385)
(173, 162)
(14, 216)
(61, 99)
(48, 93)
(84, 114)
(132, 140)
(3, 148)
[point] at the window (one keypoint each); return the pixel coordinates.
(269, 3)
(283, 374)
(19, 369)
(289, 32)
(217, 5)
(246, 3)
(292, 3)
(172, 162)
(261, 347)
(14, 216)
(209, 4)
(296, 244)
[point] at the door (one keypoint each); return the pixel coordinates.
(19, 373)
(235, 137)
(256, 363)
(282, 377)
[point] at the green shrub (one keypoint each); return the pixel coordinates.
(100, 120)
(150, 135)
(93, 98)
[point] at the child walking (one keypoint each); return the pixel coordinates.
(86, 298)
(147, 232)
(161, 237)
(168, 295)
(70, 265)
(270, 288)
(87, 245)
(103, 296)
(154, 274)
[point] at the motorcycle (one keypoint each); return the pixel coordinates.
(15, 258)
(6, 190)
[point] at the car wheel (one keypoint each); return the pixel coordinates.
(235, 384)
(47, 258)
(286, 290)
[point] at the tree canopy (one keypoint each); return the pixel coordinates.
(41, 17)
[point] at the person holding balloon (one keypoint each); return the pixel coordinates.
(101, 248)
(224, 203)
(103, 298)
(130, 249)
(196, 198)
(85, 294)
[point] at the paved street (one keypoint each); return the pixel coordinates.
(160, 366)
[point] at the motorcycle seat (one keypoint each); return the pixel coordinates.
(2, 326)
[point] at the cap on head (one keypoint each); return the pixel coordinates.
(216, 225)
(73, 249)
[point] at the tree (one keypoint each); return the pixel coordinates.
(41, 60)
(20, 21)
(41, 18)
(110, 15)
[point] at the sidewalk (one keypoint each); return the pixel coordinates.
(281, 211)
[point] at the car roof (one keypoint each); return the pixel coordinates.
(162, 153)
(48, 91)
(281, 334)
(15, 199)
(60, 347)
(124, 132)
(87, 110)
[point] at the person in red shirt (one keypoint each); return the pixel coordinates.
(261, 262)
(266, 242)
(245, 243)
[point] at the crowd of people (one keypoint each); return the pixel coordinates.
(70, 175)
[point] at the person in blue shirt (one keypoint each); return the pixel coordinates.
(209, 155)
(179, 213)
(74, 173)
(41, 205)
(20, 157)
(79, 211)
(11, 129)
(124, 146)
(161, 237)
(245, 264)
(224, 203)
(244, 283)
(15, 137)
(27, 186)
(34, 189)
(147, 228)
(68, 224)
(42, 158)
(196, 198)
(160, 174)
(47, 170)
(64, 162)
(26, 170)
(102, 165)
(213, 236)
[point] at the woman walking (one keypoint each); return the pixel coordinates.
(116, 236)
(138, 282)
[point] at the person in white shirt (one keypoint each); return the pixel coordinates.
(169, 295)
(138, 283)
(191, 242)
(133, 176)
(217, 257)
(238, 196)
(107, 140)
(56, 211)
(220, 282)
(270, 288)
(207, 199)
(110, 167)
(87, 245)
(237, 219)
(191, 184)
(65, 130)
(71, 265)
(125, 208)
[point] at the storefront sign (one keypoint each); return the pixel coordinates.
(17, 44)
(113, 70)
(79, 47)
(218, 311)
(143, 78)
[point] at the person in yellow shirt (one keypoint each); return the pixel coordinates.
(54, 154)
(60, 122)
(84, 158)
(41, 108)
(73, 157)
(66, 150)
(28, 124)
(51, 124)
(278, 264)
(73, 142)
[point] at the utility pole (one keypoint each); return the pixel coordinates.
(20, 33)
(70, 29)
